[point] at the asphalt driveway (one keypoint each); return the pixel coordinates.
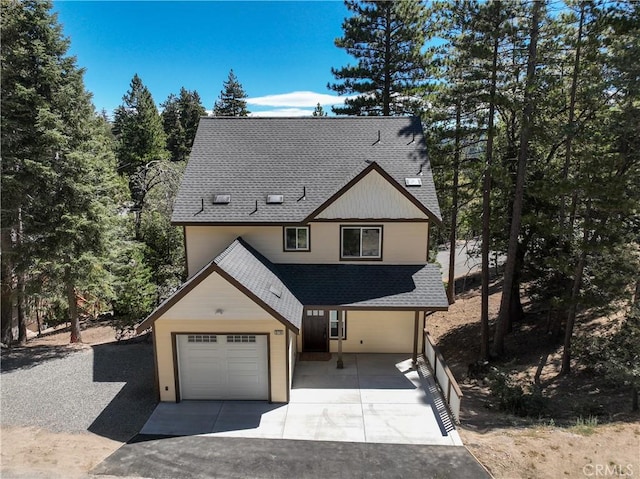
(376, 398)
(201, 457)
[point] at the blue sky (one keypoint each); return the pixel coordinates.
(282, 52)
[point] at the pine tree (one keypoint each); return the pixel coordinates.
(505, 313)
(319, 111)
(232, 98)
(180, 117)
(141, 142)
(173, 128)
(138, 128)
(386, 39)
(59, 181)
(452, 121)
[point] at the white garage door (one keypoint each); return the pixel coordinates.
(221, 366)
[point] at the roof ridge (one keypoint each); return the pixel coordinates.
(309, 117)
(227, 250)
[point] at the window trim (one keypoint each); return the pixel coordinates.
(296, 250)
(344, 325)
(361, 258)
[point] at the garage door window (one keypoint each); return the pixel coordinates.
(241, 338)
(202, 338)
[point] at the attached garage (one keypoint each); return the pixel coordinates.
(223, 366)
(228, 333)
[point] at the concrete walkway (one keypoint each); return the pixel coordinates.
(376, 398)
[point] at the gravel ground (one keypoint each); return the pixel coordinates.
(106, 389)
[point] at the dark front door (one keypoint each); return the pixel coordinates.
(314, 331)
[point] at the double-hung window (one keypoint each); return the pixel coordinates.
(296, 238)
(360, 242)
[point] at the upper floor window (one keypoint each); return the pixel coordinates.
(360, 242)
(296, 238)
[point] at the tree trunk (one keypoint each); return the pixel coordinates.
(571, 318)
(74, 320)
(516, 312)
(486, 204)
(575, 293)
(6, 299)
(386, 92)
(634, 398)
(22, 321)
(38, 319)
(451, 285)
(572, 111)
(504, 317)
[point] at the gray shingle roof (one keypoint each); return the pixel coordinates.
(366, 286)
(250, 158)
(283, 289)
(260, 277)
(253, 273)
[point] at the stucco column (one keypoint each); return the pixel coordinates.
(340, 364)
(416, 331)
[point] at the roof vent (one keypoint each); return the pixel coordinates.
(413, 181)
(221, 199)
(275, 199)
(276, 291)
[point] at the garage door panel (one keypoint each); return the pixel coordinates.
(227, 367)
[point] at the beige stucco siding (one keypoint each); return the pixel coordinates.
(402, 243)
(372, 197)
(378, 332)
(165, 350)
(215, 298)
(293, 354)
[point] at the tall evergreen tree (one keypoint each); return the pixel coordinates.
(231, 101)
(452, 121)
(141, 141)
(387, 40)
(319, 111)
(180, 117)
(138, 129)
(59, 180)
(505, 313)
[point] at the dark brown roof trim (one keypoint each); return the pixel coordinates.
(237, 223)
(371, 220)
(377, 308)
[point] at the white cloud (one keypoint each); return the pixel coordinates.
(283, 112)
(298, 99)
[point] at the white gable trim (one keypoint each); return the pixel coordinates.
(372, 197)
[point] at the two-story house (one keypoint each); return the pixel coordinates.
(301, 235)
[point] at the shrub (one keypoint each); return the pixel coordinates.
(513, 399)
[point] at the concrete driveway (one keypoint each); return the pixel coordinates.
(376, 398)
